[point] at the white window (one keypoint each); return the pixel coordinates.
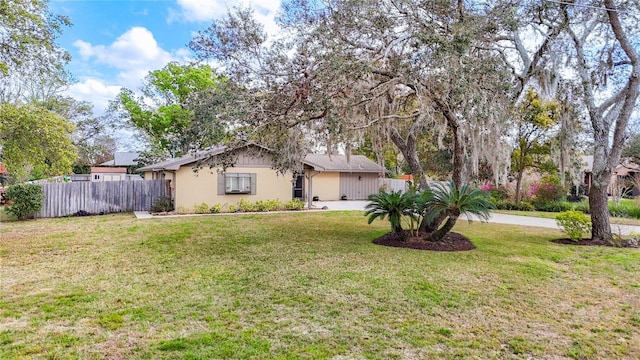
(237, 183)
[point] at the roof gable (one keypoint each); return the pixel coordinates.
(192, 158)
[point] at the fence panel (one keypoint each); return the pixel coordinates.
(63, 199)
(390, 185)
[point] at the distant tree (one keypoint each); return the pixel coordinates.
(171, 112)
(35, 141)
(535, 120)
(92, 136)
(632, 148)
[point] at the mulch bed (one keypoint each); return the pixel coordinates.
(591, 242)
(451, 242)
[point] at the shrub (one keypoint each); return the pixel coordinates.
(553, 206)
(183, 210)
(268, 205)
(295, 204)
(548, 189)
(508, 205)
(582, 206)
(624, 208)
(574, 223)
(162, 204)
(499, 193)
(25, 200)
(215, 208)
(246, 206)
(451, 202)
(201, 209)
(394, 206)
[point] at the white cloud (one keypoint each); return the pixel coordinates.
(136, 48)
(204, 11)
(132, 55)
(94, 91)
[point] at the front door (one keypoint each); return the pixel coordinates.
(298, 187)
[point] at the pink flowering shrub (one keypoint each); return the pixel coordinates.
(498, 193)
(546, 190)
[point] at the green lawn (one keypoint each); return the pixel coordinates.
(306, 285)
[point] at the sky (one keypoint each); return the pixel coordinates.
(115, 43)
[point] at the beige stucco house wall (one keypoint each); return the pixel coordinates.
(194, 189)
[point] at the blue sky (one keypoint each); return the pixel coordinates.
(115, 43)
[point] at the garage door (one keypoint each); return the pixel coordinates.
(358, 186)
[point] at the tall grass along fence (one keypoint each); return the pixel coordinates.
(63, 199)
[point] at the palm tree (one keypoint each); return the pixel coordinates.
(449, 202)
(393, 205)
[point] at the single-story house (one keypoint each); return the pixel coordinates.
(200, 177)
(108, 173)
(623, 177)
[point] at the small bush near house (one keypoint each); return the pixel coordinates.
(246, 206)
(183, 210)
(574, 223)
(25, 200)
(215, 209)
(295, 204)
(162, 204)
(268, 205)
(202, 208)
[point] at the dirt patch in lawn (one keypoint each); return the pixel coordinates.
(625, 243)
(451, 242)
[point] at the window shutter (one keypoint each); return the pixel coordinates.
(221, 184)
(253, 183)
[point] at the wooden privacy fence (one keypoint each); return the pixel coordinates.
(63, 199)
(390, 185)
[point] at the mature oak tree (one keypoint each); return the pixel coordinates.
(608, 65)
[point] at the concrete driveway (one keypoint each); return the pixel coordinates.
(495, 217)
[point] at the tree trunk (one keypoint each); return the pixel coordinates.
(408, 148)
(444, 230)
(518, 187)
(598, 204)
(458, 176)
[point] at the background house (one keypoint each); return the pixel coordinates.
(623, 179)
(108, 174)
(198, 178)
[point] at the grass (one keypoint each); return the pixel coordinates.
(306, 286)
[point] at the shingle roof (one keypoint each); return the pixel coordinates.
(174, 164)
(340, 163)
(319, 162)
